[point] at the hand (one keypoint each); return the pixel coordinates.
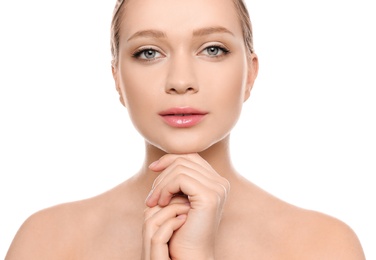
(206, 191)
(159, 225)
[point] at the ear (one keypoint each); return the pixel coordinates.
(115, 75)
(253, 67)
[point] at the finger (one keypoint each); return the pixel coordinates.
(149, 212)
(181, 164)
(168, 159)
(200, 195)
(159, 248)
(190, 164)
(147, 232)
(184, 180)
(179, 198)
(156, 216)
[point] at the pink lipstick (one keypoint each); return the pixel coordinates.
(182, 117)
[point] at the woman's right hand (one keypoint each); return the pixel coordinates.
(206, 190)
(159, 225)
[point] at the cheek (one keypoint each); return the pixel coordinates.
(227, 88)
(225, 85)
(140, 86)
(140, 93)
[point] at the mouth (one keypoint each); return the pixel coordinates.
(181, 114)
(182, 117)
(182, 111)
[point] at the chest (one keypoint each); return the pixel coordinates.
(239, 238)
(127, 244)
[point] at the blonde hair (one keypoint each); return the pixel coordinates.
(118, 14)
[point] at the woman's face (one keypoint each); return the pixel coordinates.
(183, 72)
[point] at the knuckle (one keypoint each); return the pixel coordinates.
(149, 212)
(226, 185)
(215, 198)
(148, 222)
(146, 213)
(179, 161)
(179, 168)
(225, 182)
(156, 239)
(221, 191)
(181, 177)
(212, 198)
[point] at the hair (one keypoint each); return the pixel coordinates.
(118, 14)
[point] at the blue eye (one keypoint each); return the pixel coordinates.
(215, 51)
(147, 54)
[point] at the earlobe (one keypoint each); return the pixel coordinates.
(117, 84)
(253, 67)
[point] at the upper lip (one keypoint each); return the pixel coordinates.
(182, 111)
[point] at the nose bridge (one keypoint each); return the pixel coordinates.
(181, 77)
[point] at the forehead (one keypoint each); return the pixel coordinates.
(179, 16)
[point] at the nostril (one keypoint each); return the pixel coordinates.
(172, 90)
(181, 89)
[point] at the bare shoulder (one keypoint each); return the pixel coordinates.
(313, 235)
(46, 234)
(280, 230)
(319, 236)
(67, 231)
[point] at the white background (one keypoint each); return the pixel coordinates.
(307, 134)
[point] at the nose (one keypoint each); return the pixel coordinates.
(181, 78)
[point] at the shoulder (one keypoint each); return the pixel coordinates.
(319, 236)
(299, 233)
(45, 234)
(64, 231)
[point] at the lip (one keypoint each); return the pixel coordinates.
(182, 117)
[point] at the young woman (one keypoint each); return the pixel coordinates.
(183, 70)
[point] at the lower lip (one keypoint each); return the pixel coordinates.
(183, 121)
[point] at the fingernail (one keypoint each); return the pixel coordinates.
(153, 164)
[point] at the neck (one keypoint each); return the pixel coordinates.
(218, 156)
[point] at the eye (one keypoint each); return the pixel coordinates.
(147, 54)
(215, 51)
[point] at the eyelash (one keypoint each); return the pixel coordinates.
(221, 48)
(139, 52)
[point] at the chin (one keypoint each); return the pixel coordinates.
(181, 147)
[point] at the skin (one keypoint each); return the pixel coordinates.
(187, 201)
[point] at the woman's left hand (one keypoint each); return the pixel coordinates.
(159, 225)
(206, 191)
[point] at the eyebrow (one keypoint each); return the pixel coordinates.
(197, 33)
(148, 34)
(211, 30)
